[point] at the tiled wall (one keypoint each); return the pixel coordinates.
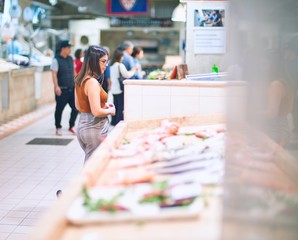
(44, 87)
(151, 102)
(23, 90)
(20, 93)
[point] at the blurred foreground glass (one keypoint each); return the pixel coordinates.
(260, 199)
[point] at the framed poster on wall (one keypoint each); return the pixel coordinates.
(209, 26)
(209, 18)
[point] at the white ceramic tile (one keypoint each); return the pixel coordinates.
(23, 229)
(156, 90)
(23, 208)
(29, 222)
(7, 228)
(212, 92)
(157, 107)
(46, 203)
(26, 205)
(40, 208)
(133, 90)
(28, 202)
(3, 194)
(212, 105)
(42, 189)
(22, 191)
(35, 214)
(15, 194)
(11, 220)
(6, 206)
(133, 108)
(17, 214)
(184, 105)
(184, 91)
(17, 236)
(52, 194)
(4, 235)
(11, 200)
(3, 213)
(34, 196)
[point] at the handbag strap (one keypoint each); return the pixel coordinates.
(119, 70)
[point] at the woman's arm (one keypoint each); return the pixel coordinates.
(92, 90)
(77, 105)
(125, 73)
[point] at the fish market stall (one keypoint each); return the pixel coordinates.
(163, 179)
(153, 179)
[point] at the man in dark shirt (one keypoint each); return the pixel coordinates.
(63, 78)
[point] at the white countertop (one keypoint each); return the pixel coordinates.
(183, 83)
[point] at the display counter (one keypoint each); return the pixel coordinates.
(153, 99)
(17, 88)
(23, 90)
(205, 224)
(251, 202)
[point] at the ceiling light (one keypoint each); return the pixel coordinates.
(53, 2)
(179, 13)
(82, 8)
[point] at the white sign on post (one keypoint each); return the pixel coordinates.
(209, 42)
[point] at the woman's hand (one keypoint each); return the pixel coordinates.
(112, 109)
(136, 68)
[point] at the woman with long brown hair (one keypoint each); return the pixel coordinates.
(91, 101)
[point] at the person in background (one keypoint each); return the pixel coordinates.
(290, 63)
(63, 78)
(105, 79)
(127, 48)
(14, 46)
(118, 69)
(91, 101)
(216, 19)
(78, 62)
(280, 96)
(137, 55)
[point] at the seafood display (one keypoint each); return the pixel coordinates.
(167, 172)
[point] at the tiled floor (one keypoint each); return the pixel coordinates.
(30, 175)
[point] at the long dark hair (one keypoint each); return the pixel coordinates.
(117, 55)
(91, 64)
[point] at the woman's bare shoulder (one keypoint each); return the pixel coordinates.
(91, 85)
(91, 81)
